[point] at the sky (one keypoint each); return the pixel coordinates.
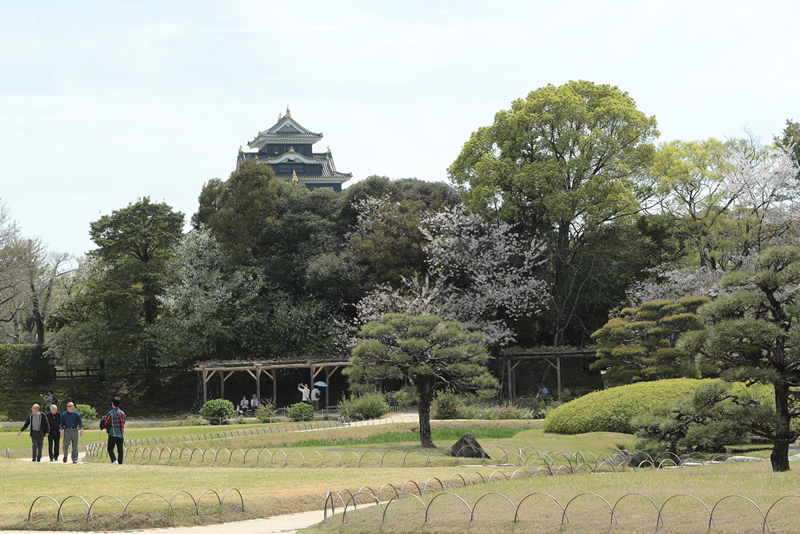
(102, 103)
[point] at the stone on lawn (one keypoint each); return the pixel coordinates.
(468, 447)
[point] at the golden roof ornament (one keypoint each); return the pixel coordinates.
(291, 149)
(329, 149)
(294, 175)
(240, 149)
(279, 115)
(288, 113)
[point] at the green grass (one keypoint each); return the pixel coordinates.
(293, 488)
(20, 445)
(439, 434)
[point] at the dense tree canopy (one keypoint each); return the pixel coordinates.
(560, 213)
(560, 164)
(108, 315)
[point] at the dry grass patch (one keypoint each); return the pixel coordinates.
(589, 513)
(266, 492)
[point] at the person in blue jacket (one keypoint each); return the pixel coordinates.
(71, 425)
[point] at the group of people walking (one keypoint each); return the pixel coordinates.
(68, 426)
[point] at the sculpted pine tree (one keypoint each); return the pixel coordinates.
(753, 332)
(640, 344)
(425, 352)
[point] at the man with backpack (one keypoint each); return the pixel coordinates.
(114, 423)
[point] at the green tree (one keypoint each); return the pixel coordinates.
(382, 219)
(426, 353)
(136, 240)
(753, 332)
(712, 418)
(640, 344)
(560, 164)
(108, 314)
(240, 210)
(790, 139)
(693, 199)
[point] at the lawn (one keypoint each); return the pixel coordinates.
(20, 446)
(589, 513)
(266, 492)
(295, 488)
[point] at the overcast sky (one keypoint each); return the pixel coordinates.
(105, 102)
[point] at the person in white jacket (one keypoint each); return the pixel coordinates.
(303, 389)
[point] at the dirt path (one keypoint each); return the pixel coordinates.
(283, 524)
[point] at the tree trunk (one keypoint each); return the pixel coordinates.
(780, 456)
(38, 320)
(783, 433)
(425, 438)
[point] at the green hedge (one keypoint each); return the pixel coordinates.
(611, 410)
(25, 365)
(300, 411)
(364, 406)
(217, 411)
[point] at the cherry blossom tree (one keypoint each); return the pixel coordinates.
(479, 274)
(751, 201)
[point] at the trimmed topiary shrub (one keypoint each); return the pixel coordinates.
(217, 411)
(364, 406)
(300, 411)
(611, 410)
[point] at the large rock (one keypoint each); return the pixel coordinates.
(468, 447)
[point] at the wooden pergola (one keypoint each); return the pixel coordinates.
(511, 359)
(225, 368)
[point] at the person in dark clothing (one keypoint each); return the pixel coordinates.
(54, 438)
(114, 423)
(39, 430)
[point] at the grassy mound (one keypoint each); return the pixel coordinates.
(611, 410)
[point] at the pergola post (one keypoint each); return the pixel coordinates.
(510, 381)
(205, 386)
(256, 376)
(275, 387)
(328, 374)
(558, 374)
